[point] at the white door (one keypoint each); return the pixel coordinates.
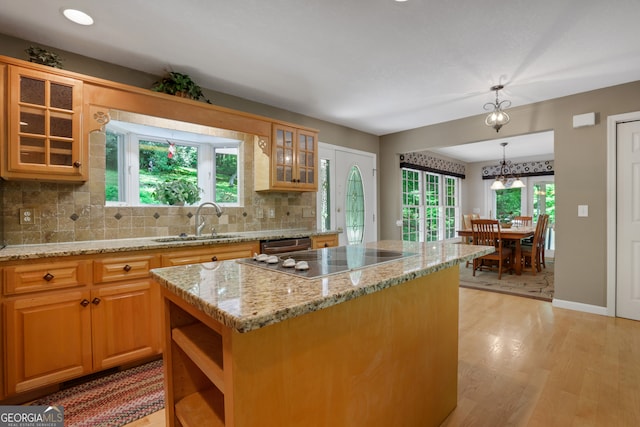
(348, 193)
(628, 221)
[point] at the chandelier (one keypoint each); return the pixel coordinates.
(498, 117)
(505, 174)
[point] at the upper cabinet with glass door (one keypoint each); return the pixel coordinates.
(44, 127)
(292, 163)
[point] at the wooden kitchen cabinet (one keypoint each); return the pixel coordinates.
(54, 333)
(66, 317)
(289, 162)
(210, 253)
(46, 276)
(48, 339)
(324, 241)
(125, 323)
(44, 127)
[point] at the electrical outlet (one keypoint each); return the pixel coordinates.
(28, 216)
(272, 212)
(308, 213)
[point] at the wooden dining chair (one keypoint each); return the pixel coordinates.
(522, 221)
(486, 232)
(543, 241)
(466, 223)
(533, 255)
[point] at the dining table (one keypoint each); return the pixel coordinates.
(512, 234)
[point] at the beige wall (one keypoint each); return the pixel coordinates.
(70, 212)
(580, 164)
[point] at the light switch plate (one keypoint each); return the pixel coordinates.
(583, 210)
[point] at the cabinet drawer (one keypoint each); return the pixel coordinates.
(212, 253)
(325, 241)
(46, 276)
(124, 268)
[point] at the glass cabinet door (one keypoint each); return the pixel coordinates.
(294, 159)
(306, 157)
(284, 154)
(44, 123)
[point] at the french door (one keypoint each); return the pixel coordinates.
(536, 198)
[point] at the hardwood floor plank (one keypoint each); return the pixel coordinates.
(523, 362)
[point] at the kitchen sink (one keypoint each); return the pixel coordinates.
(187, 238)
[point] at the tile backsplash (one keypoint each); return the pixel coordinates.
(77, 212)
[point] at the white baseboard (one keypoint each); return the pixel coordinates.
(578, 306)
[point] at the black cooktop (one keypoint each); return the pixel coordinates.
(326, 261)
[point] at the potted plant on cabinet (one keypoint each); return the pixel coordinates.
(177, 192)
(39, 55)
(181, 85)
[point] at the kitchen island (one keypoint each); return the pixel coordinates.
(372, 346)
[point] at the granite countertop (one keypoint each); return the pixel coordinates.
(245, 297)
(25, 252)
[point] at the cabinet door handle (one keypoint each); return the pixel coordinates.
(48, 277)
(127, 268)
(214, 258)
(84, 302)
(77, 164)
(326, 245)
(96, 301)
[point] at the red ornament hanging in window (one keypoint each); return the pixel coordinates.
(172, 150)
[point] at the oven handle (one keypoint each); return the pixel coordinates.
(282, 249)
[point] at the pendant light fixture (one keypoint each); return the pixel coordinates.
(498, 117)
(505, 174)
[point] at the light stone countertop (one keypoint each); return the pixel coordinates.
(245, 297)
(26, 252)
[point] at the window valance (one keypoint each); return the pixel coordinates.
(539, 168)
(424, 162)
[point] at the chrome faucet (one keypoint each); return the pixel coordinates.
(200, 224)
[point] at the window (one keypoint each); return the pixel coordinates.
(325, 194)
(354, 207)
(139, 157)
(430, 206)
(508, 203)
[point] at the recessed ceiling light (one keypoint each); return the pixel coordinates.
(77, 16)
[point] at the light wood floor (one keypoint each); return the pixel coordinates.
(524, 363)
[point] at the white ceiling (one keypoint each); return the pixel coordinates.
(538, 145)
(375, 65)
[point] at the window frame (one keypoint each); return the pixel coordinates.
(444, 211)
(129, 173)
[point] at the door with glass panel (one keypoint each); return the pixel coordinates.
(542, 193)
(346, 194)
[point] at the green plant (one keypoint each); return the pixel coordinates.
(177, 191)
(42, 56)
(180, 85)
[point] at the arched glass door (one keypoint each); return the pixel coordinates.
(354, 207)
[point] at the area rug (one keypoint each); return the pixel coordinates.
(539, 286)
(112, 401)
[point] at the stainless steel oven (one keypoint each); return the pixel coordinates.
(272, 247)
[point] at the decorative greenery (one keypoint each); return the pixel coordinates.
(42, 56)
(180, 85)
(177, 191)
